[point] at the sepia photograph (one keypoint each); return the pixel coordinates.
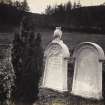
(52, 52)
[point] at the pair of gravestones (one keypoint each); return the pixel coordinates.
(87, 79)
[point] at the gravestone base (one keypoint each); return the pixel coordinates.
(50, 97)
(98, 96)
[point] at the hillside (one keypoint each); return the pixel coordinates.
(87, 19)
(10, 18)
(92, 17)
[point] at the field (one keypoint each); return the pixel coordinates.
(72, 40)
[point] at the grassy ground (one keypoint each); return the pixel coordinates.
(72, 40)
(65, 99)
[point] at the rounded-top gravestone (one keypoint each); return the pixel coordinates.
(87, 80)
(55, 72)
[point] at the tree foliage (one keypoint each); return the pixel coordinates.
(61, 12)
(48, 10)
(6, 75)
(27, 61)
(21, 5)
(67, 7)
(25, 6)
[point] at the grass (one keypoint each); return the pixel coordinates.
(72, 40)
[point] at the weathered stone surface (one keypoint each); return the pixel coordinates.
(87, 80)
(55, 73)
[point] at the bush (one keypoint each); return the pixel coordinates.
(27, 59)
(6, 78)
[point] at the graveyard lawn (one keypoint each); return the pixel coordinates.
(71, 100)
(68, 99)
(71, 39)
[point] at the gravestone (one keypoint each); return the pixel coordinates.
(56, 65)
(87, 79)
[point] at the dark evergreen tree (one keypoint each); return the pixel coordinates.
(8, 2)
(29, 56)
(61, 13)
(17, 64)
(74, 5)
(24, 5)
(17, 4)
(39, 49)
(78, 4)
(49, 10)
(68, 7)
